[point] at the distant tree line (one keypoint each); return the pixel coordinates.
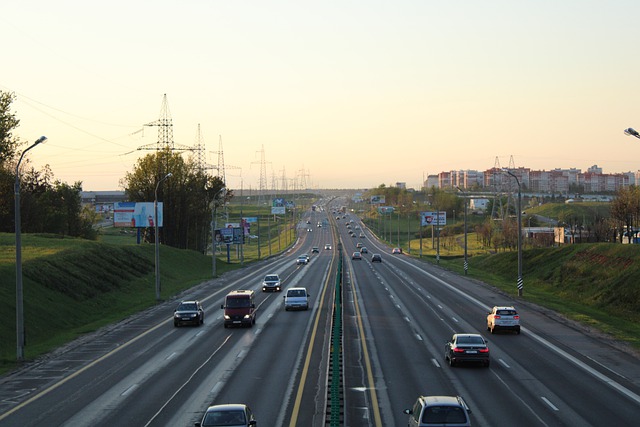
(47, 205)
(50, 206)
(187, 197)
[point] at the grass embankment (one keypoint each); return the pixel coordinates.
(73, 286)
(595, 284)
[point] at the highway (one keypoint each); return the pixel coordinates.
(396, 318)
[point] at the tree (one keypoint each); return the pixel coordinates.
(47, 205)
(625, 210)
(186, 196)
(8, 123)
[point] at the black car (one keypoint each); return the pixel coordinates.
(467, 348)
(188, 313)
(232, 415)
(376, 258)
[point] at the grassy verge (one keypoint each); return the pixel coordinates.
(594, 284)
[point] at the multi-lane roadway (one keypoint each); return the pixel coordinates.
(396, 317)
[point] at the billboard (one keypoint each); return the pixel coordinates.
(278, 206)
(136, 214)
(385, 209)
(433, 218)
(229, 235)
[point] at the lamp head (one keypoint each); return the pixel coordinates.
(40, 140)
(632, 132)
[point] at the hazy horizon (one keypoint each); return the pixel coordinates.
(348, 94)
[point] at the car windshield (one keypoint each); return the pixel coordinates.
(187, 306)
(224, 418)
(444, 415)
(470, 340)
(506, 312)
(296, 293)
(238, 302)
(271, 279)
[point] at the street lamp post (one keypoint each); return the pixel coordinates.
(19, 296)
(466, 263)
(157, 237)
(213, 231)
(520, 283)
(632, 132)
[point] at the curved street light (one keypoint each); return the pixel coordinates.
(19, 296)
(157, 238)
(632, 132)
(520, 282)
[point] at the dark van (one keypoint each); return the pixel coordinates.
(239, 308)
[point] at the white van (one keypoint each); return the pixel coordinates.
(296, 299)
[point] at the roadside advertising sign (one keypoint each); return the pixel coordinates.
(433, 218)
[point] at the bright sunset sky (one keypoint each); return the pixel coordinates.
(348, 94)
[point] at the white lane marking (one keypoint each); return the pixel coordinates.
(435, 363)
(217, 387)
(455, 320)
(551, 405)
(620, 388)
(129, 390)
(171, 356)
(407, 319)
(505, 364)
(419, 337)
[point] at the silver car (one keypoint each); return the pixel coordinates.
(503, 318)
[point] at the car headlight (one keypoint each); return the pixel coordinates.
(247, 316)
(227, 317)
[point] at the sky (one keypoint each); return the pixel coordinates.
(336, 94)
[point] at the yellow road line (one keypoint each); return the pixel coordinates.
(367, 362)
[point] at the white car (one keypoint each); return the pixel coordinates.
(302, 260)
(503, 318)
(296, 299)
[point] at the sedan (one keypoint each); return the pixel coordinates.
(188, 313)
(466, 348)
(302, 260)
(356, 255)
(396, 251)
(376, 258)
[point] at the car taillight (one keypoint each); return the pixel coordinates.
(458, 350)
(496, 316)
(516, 317)
(484, 350)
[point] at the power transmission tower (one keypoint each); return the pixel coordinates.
(199, 156)
(284, 181)
(165, 131)
(221, 168)
(263, 175)
(303, 179)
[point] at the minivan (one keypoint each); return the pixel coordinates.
(239, 308)
(296, 299)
